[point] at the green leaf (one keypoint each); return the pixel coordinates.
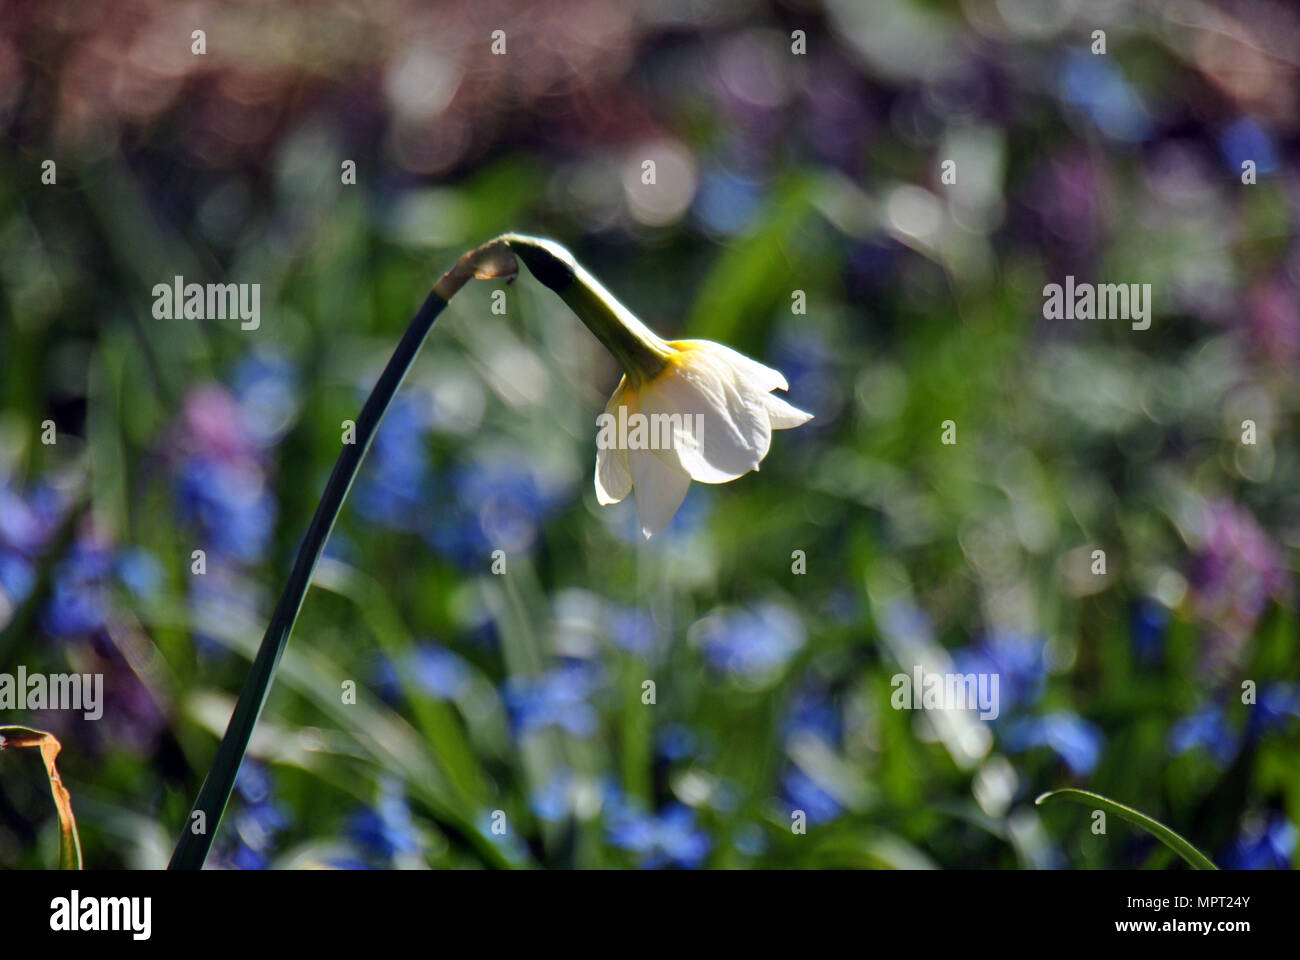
(1174, 841)
(69, 840)
(752, 274)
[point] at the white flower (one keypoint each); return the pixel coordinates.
(711, 408)
(719, 408)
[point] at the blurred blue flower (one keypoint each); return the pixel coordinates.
(28, 522)
(670, 839)
(726, 202)
(553, 802)
(214, 598)
(1069, 736)
(387, 681)
(1148, 622)
(1096, 86)
(556, 801)
(385, 830)
(556, 698)
(750, 645)
(258, 824)
(265, 386)
(843, 606)
(501, 502)
(802, 792)
(802, 354)
(140, 571)
(749, 839)
(395, 485)
(1274, 709)
(439, 672)
(675, 741)
(905, 622)
(1206, 729)
(1247, 140)
(17, 577)
(253, 781)
(435, 670)
(78, 602)
(631, 629)
(246, 858)
(1264, 846)
(229, 504)
(813, 714)
(257, 821)
(1019, 661)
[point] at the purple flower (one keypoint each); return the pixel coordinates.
(1235, 572)
(1273, 318)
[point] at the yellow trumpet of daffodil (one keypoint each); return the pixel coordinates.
(716, 407)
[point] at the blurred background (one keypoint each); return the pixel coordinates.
(784, 162)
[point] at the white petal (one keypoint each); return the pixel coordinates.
(745, 402)
(763, 377)
(613, 480)
(660, 490)
(721, 431)
(784, 415)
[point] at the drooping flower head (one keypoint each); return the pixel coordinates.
(685, 409)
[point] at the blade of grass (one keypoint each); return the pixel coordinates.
(1174, 841)
(48, 744)
(435, 718)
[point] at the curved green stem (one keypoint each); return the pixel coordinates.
(491, 260)
(1174, 841)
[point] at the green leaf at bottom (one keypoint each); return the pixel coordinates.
(1174, 841)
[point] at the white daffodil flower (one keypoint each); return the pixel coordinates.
(685, 409)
